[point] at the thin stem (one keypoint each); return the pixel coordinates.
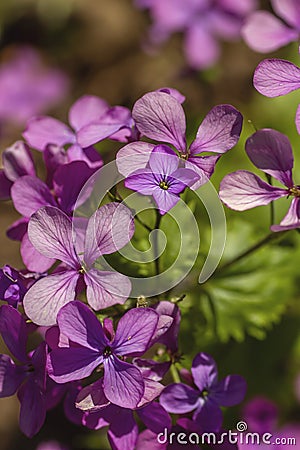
(119, 199)
(272, 210)
(155, 243)
(175, 374)
(266, 240)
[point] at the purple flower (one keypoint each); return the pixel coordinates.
(123, 383)
(123, 430)
(261, 415)
(264, 33)
(160, 117)
(29, 193)
(12, 285)
(91, 119)
(275, 77)
(17, 162)
(203, 23)
(28, 87)
(50, 231)
(27, 378)
(206, 397)
(162, 179)
(271, 152)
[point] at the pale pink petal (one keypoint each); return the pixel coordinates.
(105, 289)
(243, 190)
(41, 131)
(201, 48)
(17, 161)
(264, 33)
(44, 299)
(85, 110)
(275, 77)
(133, 156)
(160, 116)
(32, 258)
(289, 10)
(292, 218)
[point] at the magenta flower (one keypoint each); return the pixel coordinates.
(264, 33)
(91, 119)
(206, 397)
(28, 377)
(162, 179)
(276, 77)
(28, 87)
(271, 152)
(12, 286)
(50, 231)
(203, 23)
(160, 117)
(123, 383)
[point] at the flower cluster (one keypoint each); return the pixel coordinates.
(106, 360)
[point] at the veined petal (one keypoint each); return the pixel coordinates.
(45, 297)
(50, 231)
(165, 200)
(289, 10)
(72, 363)
(78, 323)
(203, 166)
(133, 156)
(44, 130)
(33, 408)
(32, 258)
(163, 160)
(208, 416)
(243, 190)
(230, 391)
(105, 289)
(135, 330)
(18, 161)
(271, 151)
(275, 77)
(109, 229)
(219, 131)
(179, 398)
(160, 116)
(112, 120)
(123, 431)
(142, 180)
(29, 194)
(14, 332)
(85, 110)
(174, 92)
(11, 376)
(92, 398)
(292, 218)
(155, 417)
(68, 181)
(201, 48)
(123, 383)
(204, 371)
(182, 178)
(264, 33)
(153, 389)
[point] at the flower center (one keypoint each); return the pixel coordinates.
(295, 191)
(164, 185)
(184, 156)
(107, 351)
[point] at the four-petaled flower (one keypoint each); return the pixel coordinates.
(123, 383)
(271, 152)
(160, 116)
(206, 397)
(50, 231)
(162, 178)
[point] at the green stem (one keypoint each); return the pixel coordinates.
(174, 374)
(155, 243)
(119, 199)
(266, 240)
